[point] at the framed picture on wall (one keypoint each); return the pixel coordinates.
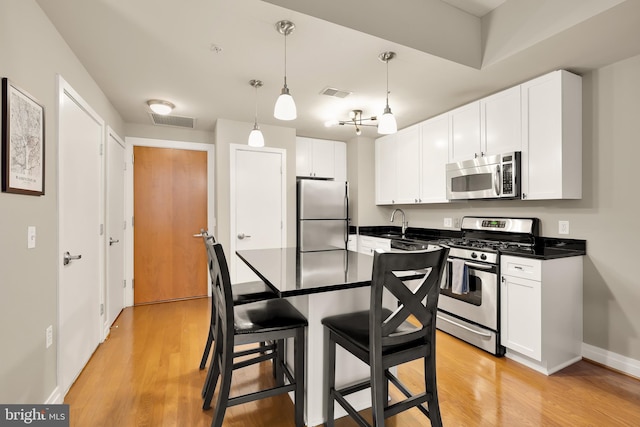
(22, 141)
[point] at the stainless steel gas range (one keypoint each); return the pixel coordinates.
(469, 303)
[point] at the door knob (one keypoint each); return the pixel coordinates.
(242, 236)
(111, 241)
(67, 258)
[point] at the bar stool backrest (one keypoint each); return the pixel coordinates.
(390, 271)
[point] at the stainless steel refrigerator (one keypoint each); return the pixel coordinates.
(323, 215)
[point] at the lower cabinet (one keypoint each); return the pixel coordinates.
(541, 311)
(368, 245)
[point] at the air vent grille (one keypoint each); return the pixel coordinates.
(183, 122)
(330, 91)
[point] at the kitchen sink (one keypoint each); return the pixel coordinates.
(408, 245)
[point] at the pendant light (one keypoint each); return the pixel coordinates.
(285, 108)
(387, 123)
(256, 139)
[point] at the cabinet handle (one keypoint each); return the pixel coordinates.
(524, 196)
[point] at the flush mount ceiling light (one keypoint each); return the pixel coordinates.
(355, 119)
(285, 108)
(159, 106)
(387, 123)
(256, 139)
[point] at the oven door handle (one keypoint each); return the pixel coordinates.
(474, 265)
(486, 335)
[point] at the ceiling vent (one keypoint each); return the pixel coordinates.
(177, 121)
(330, 91)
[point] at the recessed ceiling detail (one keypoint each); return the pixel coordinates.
(330, 91)
(177, 121)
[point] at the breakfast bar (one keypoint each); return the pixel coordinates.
(319, 284)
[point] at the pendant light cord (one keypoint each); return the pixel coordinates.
(285, 59)
(255, 122)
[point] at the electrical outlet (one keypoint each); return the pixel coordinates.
(448, 222)
(563, 227)
(49, 334)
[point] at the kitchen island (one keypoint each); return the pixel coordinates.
(319, 284)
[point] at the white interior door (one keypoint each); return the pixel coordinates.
(115, 228)
(258, 200)
(81, 132)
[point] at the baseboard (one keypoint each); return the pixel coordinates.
(54, 398)
(612, 360)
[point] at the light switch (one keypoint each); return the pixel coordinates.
(31, 237)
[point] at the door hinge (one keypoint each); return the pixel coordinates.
(101, 229)
(133, 283)
(124, 225)
(101, 309)
(132, 221)
(101, 145)
(124, 283)
(124, 166)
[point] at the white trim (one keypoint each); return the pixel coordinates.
(612, 360)
(233, 149)
(55, 398)
(130, 142)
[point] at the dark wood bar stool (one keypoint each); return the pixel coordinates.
(243, 293)
(383, 339)
(271, 320)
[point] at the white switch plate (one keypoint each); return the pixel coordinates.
(49, 333)
(31, 237)
(563, 227)
(448, 222)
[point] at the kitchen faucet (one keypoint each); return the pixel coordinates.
(404, 223)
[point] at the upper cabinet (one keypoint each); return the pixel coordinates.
(435, 156)
(410, 164)
(465, 132)
(492, 125)
(501, 122)
(552, 137)
(319, 158)
(541, 118)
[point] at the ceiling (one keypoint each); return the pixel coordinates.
(201, 54)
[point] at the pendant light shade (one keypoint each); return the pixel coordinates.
(387, 124)
(256, 139)
(285, 108)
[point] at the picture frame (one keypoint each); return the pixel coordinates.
(22, 141)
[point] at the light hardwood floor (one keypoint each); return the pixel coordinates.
(146, 374)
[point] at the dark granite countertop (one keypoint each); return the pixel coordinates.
(545, 247)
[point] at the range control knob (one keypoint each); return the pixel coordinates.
(483, 256)
(474, 255)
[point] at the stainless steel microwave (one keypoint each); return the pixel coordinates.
(487, 177)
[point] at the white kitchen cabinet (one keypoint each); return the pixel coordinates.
(385, 169)
(465, 132)
(408, 167)
(340, 159)
(367, 244)
(319, 158)
(541, 311)
(552, 137)
(501, 122)
(434, 156)
(352, 243)
(411, 169)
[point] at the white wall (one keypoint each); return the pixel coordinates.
(32, 53)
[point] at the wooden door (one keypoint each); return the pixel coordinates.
(170, 206)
